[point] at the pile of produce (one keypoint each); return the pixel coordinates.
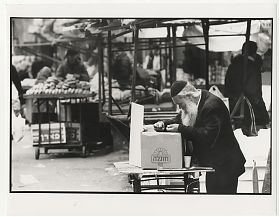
(55, 86)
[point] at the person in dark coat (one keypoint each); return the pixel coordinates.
(250, 84)
(72, 65)
(204, 121)
(122, 68)
(16, 80)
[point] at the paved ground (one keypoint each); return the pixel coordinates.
(62, 170)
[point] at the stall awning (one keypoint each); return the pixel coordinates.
(191, 29)
(227, 42)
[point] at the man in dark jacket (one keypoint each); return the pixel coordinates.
(204, 120)
(72, 65)
(249, 83)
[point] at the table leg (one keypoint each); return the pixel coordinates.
(191, 184)
(186, 177)
(136, 182)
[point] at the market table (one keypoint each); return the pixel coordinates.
(188, 177)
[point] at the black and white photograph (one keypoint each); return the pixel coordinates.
(132, 106)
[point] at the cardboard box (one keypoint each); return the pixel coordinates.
(152, 149)
(161, 149)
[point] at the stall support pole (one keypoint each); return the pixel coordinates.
(134, 64)
(174, 28)
(110, 72)
(169, 55)
(205, 26)
(100, 74)
(166, 63)
(248, 31)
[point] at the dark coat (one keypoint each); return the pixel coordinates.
(122, 69)
(214, 143)
(252, 88)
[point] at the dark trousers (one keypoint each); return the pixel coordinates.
(221, 183)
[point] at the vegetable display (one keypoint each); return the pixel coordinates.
(53, 85)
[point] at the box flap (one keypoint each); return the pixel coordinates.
(136, 127)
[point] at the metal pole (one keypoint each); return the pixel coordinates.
(100, 74)
(110, 72)
(169, 54)
(134, 64)
(245, 56)
(166, 63)
(205, 26)
(174, 28)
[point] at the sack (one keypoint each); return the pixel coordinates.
(18, 124)
(250, 129)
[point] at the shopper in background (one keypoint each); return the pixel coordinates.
(72, 65)
(204, 120)
(152, 61)
(37, 65)
(250, 83)
(122, 67)
(15, 80)
(152, 64)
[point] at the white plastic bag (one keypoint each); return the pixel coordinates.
(215, 90)
(18, 124)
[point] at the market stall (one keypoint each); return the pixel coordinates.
(63, 115)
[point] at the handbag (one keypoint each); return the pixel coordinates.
(248, 129)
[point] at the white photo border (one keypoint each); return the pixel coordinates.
(130, 204)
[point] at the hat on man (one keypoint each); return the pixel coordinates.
(176, 87)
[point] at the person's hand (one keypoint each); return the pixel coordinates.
(159, 126)
(172, 127)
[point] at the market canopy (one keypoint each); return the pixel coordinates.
(227, 41)
(224, 35)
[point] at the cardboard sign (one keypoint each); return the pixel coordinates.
(50, 133)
